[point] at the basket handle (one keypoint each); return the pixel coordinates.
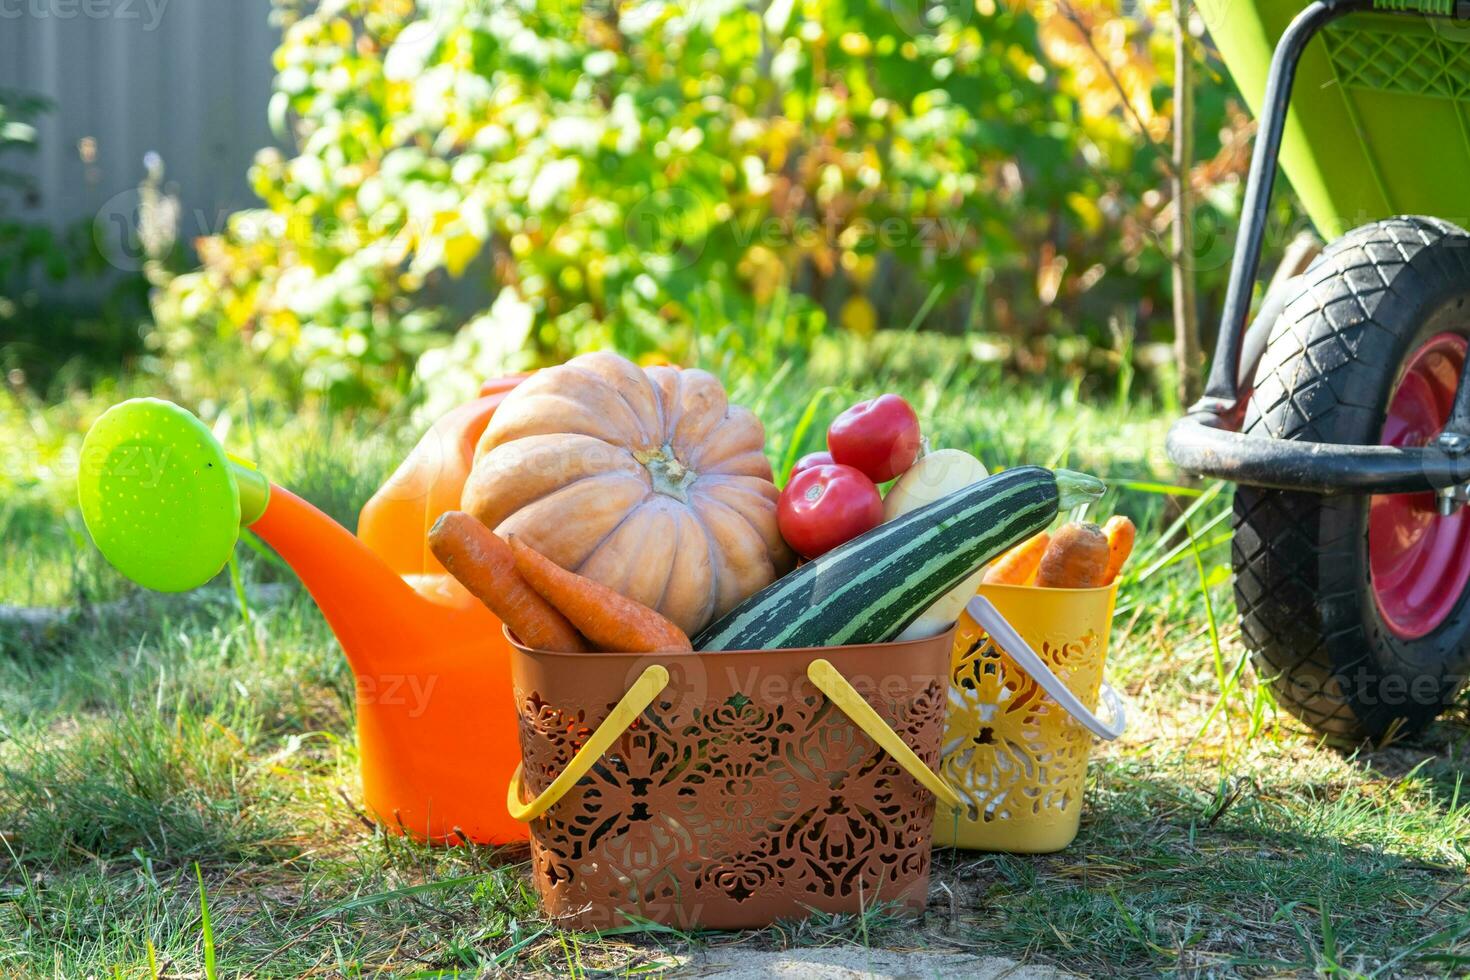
(989, 618)
(839, 690)
(649, 685)
(827, 678)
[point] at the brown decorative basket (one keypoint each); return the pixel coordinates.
(730, 790)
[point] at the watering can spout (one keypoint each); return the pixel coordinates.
(380, 619)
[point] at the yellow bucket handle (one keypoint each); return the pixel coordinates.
(650, 684)
(989, 618)
(829, 681)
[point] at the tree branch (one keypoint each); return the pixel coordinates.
(1160, 155)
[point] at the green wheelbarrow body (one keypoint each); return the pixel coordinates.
(1379, 123)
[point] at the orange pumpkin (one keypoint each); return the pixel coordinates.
(646, 480)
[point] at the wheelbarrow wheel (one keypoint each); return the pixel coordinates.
(1356, 608)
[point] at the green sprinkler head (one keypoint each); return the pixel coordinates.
(161, 498)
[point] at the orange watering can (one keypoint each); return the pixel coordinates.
(436, 721)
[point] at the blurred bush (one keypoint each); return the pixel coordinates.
(700, 181)
(65, 316)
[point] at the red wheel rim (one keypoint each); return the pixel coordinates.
(1419, 560)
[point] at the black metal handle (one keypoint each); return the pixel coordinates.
(1199, 444)
(1221, 389)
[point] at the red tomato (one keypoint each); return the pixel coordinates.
(879, 437)
(825, 506)
(806, 462)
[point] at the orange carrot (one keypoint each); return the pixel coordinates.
(1120, 532)
(1077, 558)
(1018, 566)
(484, 565)
(608, 618)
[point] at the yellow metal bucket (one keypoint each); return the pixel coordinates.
(1025, 678)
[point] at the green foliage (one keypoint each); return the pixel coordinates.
(18, 112)
(45, 338)
(645, 175)
(25, 248)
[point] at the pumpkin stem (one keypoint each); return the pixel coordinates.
(670, 477)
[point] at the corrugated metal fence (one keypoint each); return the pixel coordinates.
(187, 79)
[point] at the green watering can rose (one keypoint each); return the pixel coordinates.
(161, 498)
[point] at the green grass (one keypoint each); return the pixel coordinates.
(178, 791)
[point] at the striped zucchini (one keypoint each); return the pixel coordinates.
(869, 589)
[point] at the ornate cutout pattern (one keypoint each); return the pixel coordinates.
(734, 809)
(1011, 752)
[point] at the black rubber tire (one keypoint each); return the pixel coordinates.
(1302, 580)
